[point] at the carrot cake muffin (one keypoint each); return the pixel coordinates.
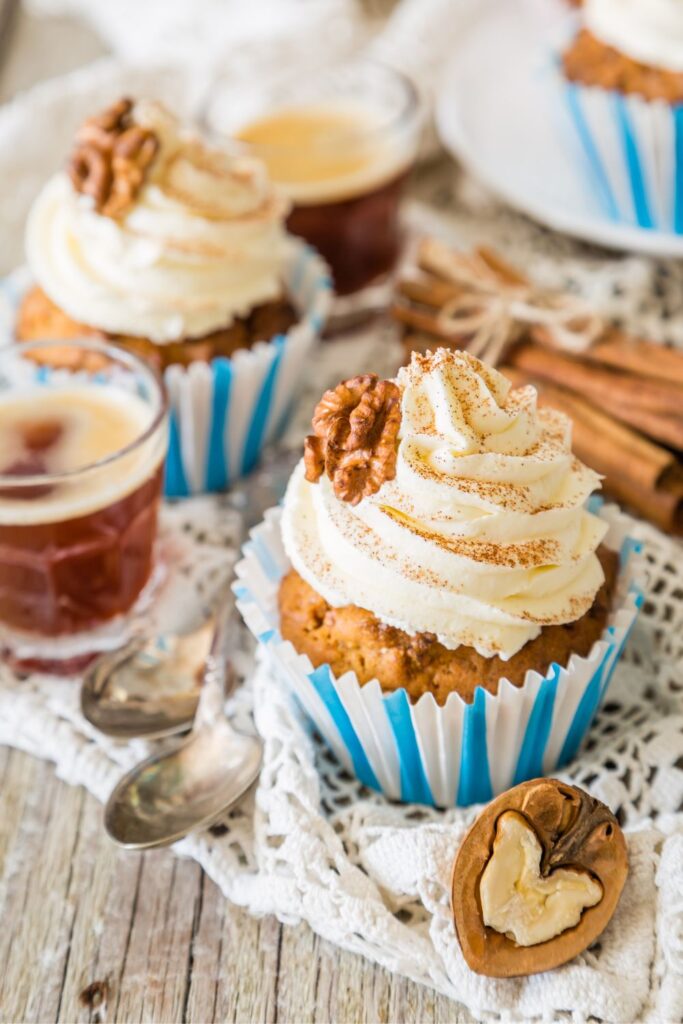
(621, 82)
(158, 242)
(438, 533)
(631, 46)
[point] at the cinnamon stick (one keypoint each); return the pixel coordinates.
(437, 258)
(434, 257)
(636, 471)
(625, 352)
(427, 290)
(426, 322)
(434, 291)
(651, 406)
(502, 269)
(663, 506)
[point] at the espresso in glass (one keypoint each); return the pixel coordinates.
(83, 437)
(340, 144)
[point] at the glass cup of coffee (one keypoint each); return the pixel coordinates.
(83, 439)
(340, 143)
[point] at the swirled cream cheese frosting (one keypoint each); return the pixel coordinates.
(649, 31)
(481, 538)
(202, 242)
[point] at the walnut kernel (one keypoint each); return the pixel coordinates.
(356, 429)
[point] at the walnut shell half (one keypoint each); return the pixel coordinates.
(578, 844)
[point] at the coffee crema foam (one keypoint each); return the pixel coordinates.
(55, 431)
(327, 153)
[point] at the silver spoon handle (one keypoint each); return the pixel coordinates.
(212, 698)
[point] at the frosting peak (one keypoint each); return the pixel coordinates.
(212, 182)
(202, 243)
(452, 400)
(648, 31)
(482, 536)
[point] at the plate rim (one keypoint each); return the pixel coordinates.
(592, 229)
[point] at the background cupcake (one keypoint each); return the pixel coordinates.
(178, 251)
(442, 602)
(624, 87)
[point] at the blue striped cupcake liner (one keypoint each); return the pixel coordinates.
(632, 152)
(224, 413)
(423, 752)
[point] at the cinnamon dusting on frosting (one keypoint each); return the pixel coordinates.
(528, 554)
(481, 538)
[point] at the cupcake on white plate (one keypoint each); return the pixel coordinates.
(177, 250)
(435, 591)
(623, 82)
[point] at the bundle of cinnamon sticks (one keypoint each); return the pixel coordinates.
(624, 394)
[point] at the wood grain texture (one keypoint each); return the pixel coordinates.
(76, 910)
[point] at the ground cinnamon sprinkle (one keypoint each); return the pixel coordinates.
(526, 555)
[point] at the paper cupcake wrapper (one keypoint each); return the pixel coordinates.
(422, 752)
(633, 154)
(225, 412)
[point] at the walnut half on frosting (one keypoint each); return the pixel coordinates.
(111, 157)
(356, 429)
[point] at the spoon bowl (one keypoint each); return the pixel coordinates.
(150, 688)
(171, 794)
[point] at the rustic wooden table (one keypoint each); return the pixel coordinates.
(81, 918)
(155, 932)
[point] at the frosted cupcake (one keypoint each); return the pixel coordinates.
(624, 72)
(440, 582)
(177, 250)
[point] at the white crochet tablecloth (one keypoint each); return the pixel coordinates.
(311, 844)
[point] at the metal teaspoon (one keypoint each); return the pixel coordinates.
(171, 794)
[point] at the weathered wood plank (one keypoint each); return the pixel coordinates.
(248, 969)
(76, 911)
(37, 907)
(152, 981)
(105, 885)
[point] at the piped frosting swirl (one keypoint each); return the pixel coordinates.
(648, 31)
(482, 538)
(203, 242)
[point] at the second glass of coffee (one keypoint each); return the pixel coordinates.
(340, 143)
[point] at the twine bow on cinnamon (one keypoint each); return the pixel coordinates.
(488, 304)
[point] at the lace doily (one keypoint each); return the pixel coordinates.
(372, 877)
(311, 844)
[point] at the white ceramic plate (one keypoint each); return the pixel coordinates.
(498, 110)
